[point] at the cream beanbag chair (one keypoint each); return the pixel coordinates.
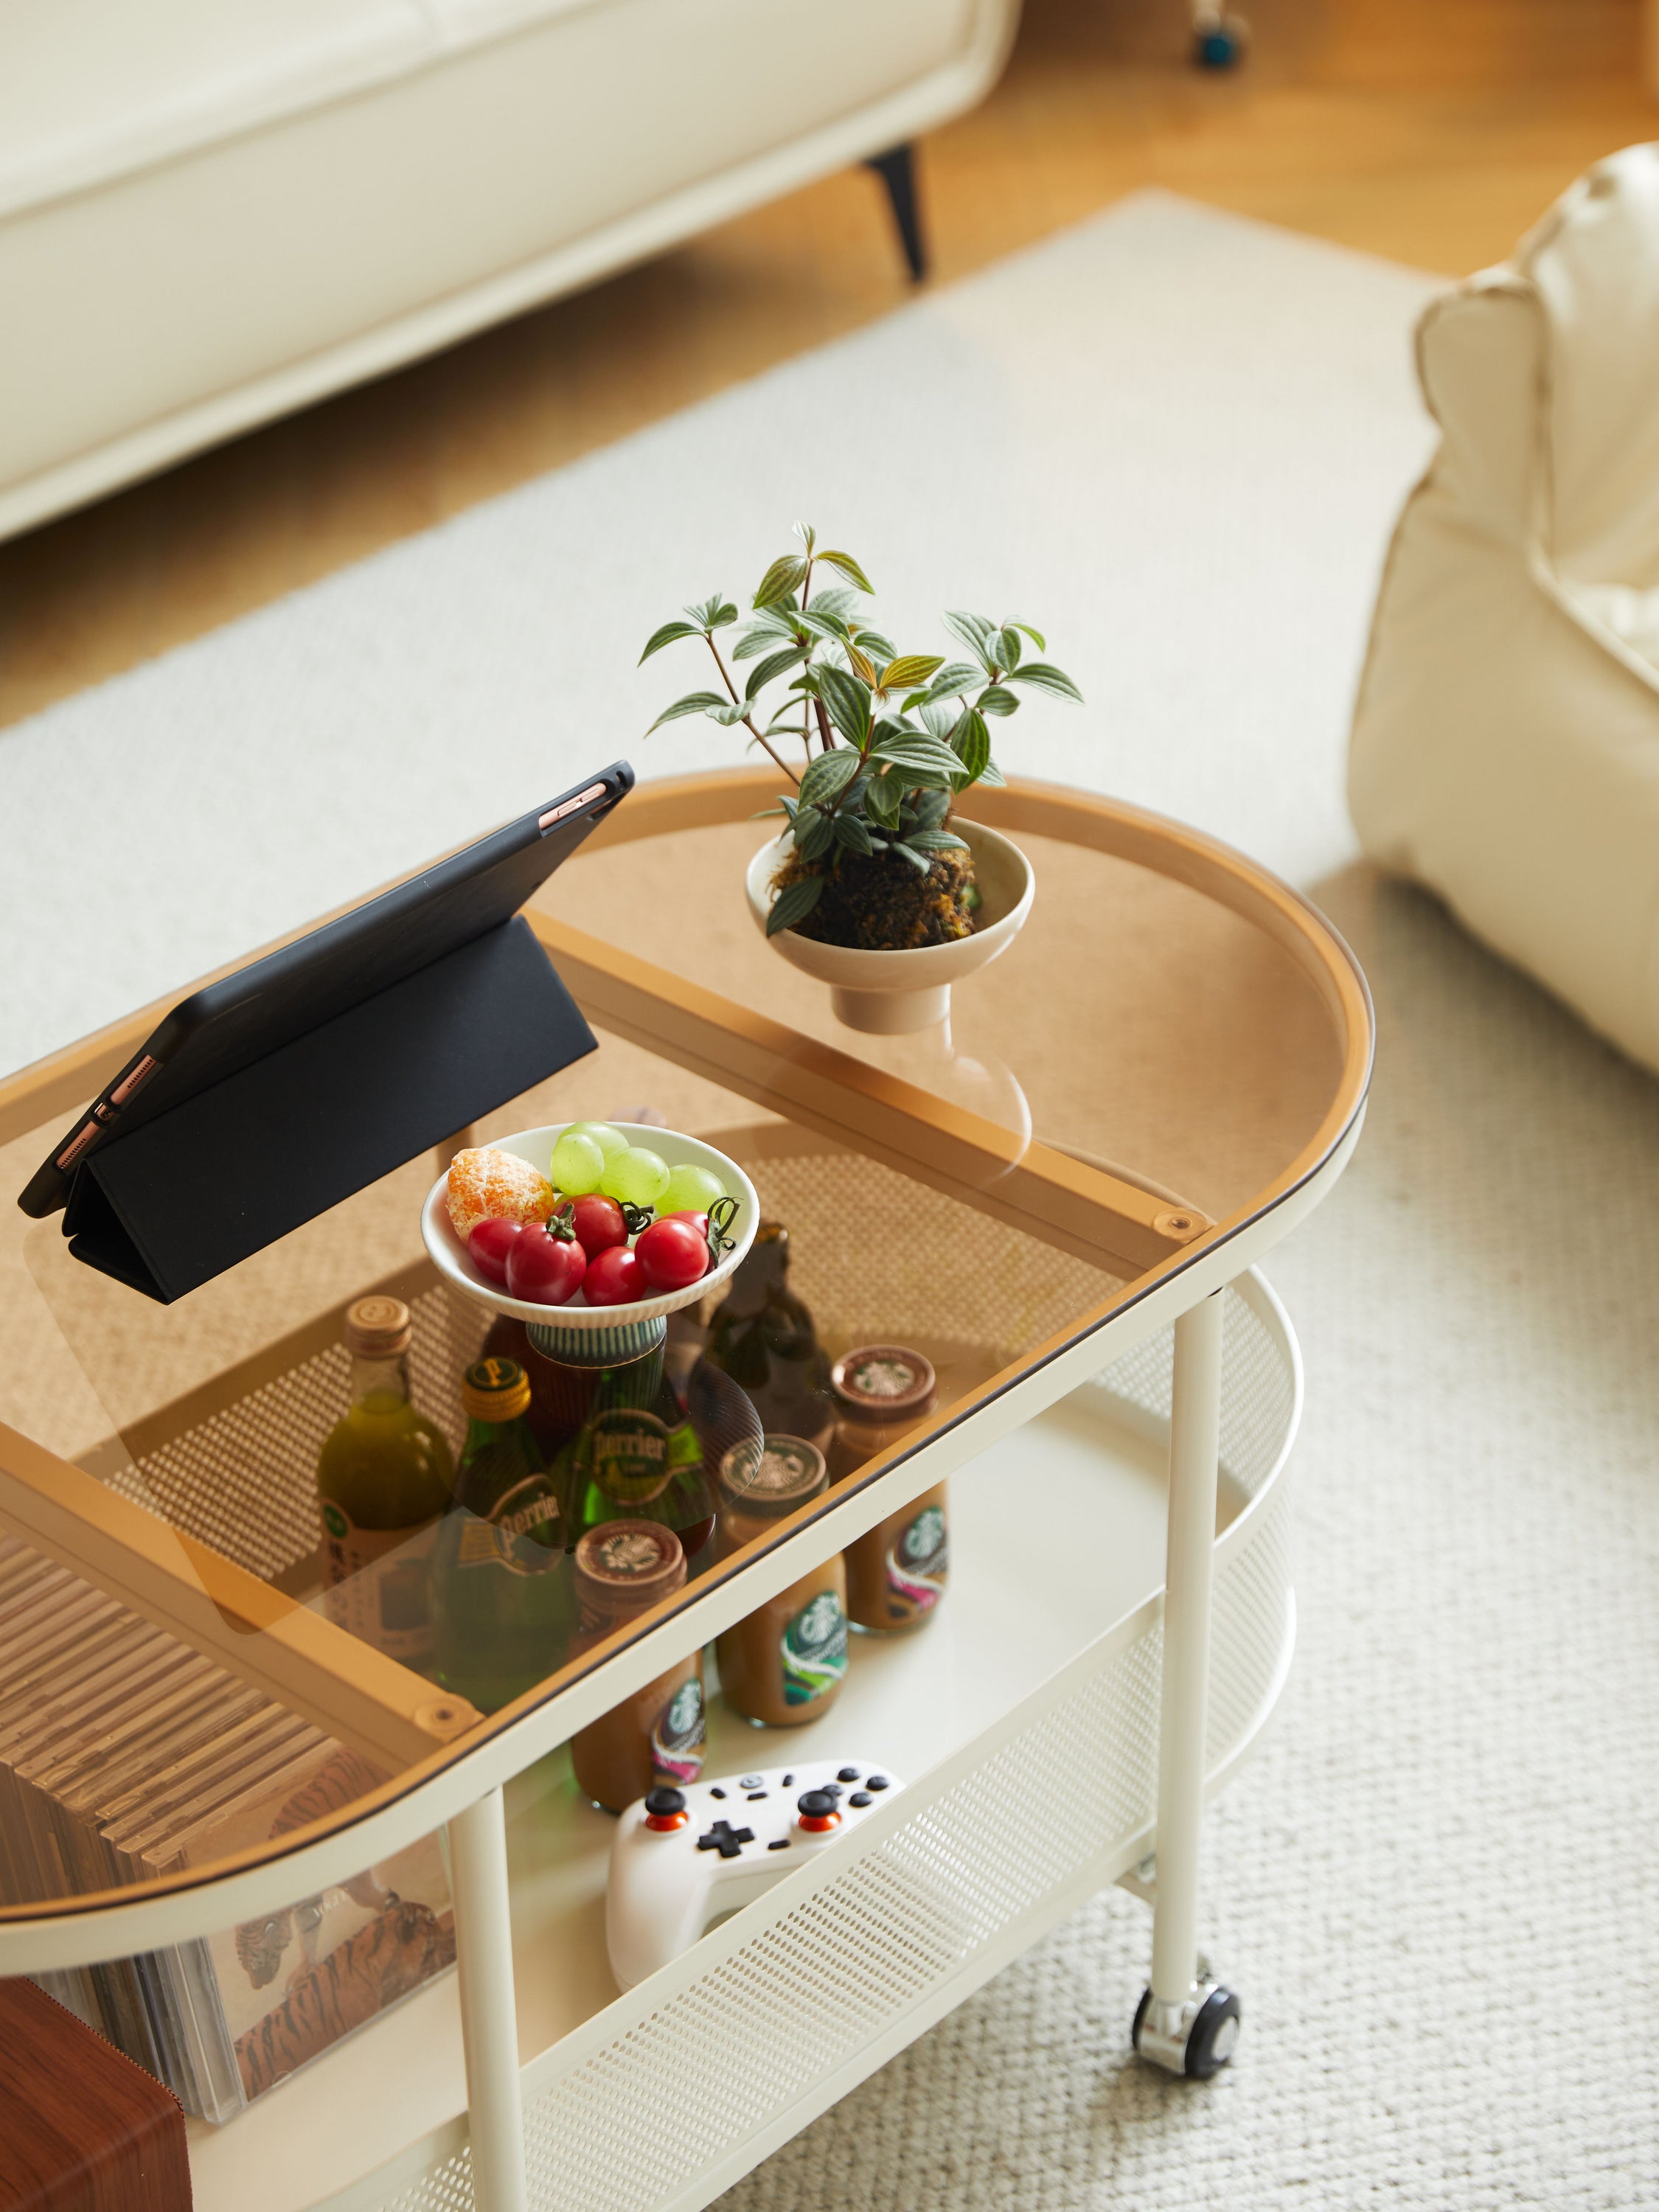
(1506, 747)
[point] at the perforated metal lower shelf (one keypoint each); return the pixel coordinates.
(664, 2097)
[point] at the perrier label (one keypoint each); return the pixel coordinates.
(628, 1464)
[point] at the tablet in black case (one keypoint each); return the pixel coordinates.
(395, 1058)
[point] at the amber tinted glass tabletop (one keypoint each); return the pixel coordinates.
(1171, 1041)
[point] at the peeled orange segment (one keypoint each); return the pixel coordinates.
(485, 1185)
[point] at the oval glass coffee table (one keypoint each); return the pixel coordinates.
(1058, 1199)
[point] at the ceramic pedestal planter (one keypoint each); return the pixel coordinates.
(890, 993)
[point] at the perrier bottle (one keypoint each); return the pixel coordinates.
(637, 1449)
(503, 1588)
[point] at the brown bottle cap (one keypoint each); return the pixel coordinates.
(624, 1566)
(494, 1390)
(774, 1474)
(377, 1329)
(883, 1383)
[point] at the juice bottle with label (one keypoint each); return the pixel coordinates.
(502, 1587)
(764, 1339)
(657, 1734)
(783, 1664)
(897, 1572)
(635, 1450)
(383, 1481)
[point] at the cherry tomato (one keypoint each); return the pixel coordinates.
(543, 1266)
(489, 1245)
(615, 1278)
(598, 1224)
(673, 1253)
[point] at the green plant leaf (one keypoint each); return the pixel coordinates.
(910, 668)
(725, 612)
(862, 667)
(992, 776)
(851, 833)
(828, 776)
(848, 702)
(938, 719)
(772, 666)
(883, 797)
(878, 647)
(829, 625)
(666, 635)
(975, 633)
(793, 903)
(765, 631)
(915, 754)
(958, 676)
(695, 703)
(918, 860)
(1006, 646)
(1035, 635)
(972, 746)
(1046, 678)
(807, 535)
(814, 833)
(849, 569)
(937, 841)
(930, 809)
(729, 712)
(997, 699)
(834, 599)
(780, 581)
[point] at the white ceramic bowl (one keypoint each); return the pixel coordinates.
(454, 1262)
(888, 993)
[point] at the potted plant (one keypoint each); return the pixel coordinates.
(875, 885)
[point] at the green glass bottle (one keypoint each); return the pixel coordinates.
(382, 1479)
(764, 1339)
(636, 1451)
(503, 1600)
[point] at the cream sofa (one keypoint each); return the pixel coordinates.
(1505, 748)
(212, 211)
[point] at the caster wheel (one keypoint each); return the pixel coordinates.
(1211, 2022)
(1214, 2035)
(1218, 43)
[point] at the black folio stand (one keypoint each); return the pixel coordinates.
(221, 1175)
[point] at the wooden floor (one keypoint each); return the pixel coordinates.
(1430, 131)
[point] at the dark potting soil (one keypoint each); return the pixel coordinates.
(883, 905)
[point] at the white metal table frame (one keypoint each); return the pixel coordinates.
(465, 1793)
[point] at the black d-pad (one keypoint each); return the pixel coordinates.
(726, 1839)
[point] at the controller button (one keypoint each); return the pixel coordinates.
(860, 1797)
(847, 1774)
(665, 1811)
(782, 1845)
(754, 1794)
(717, 1793)
(788, 1781)
(751, 1782)
(818, 1813)
(726, 1839)
(876, 1782)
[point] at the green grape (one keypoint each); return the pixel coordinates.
(634, 1177)
(578, 1163)
(690, 1189)
(609, 1140)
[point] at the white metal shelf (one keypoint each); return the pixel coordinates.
(1058, 1549)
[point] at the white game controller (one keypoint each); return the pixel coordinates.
(682, 1858)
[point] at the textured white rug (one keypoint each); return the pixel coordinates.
(1177, 441)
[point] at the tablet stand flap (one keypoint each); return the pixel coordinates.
(221, 1176)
